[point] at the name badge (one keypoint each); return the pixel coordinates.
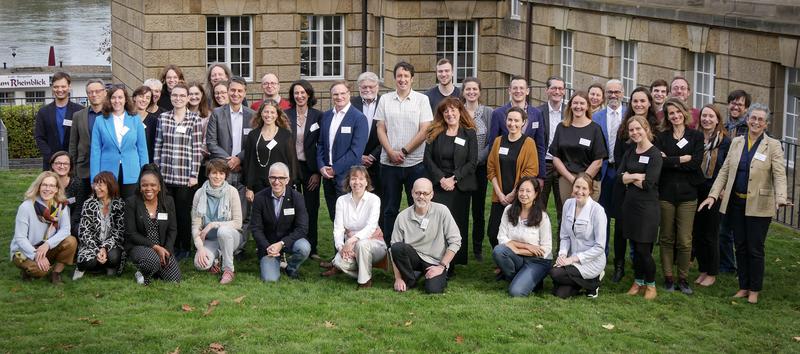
(314, 127)
(272, 144)
(346, 130)
(247, 130)
(67, 122)
(180, 130)
(124, 130)
(682, 143)
(760, 157)
(424, 224)
(144, 125)
(71, 200)
(535, 125)
(288, 211)
(460, 141)
(503, 151)
(162, 216)
(644, 159)
(585, 142)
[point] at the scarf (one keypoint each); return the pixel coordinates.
(48, 213)
(710, 151)
(207, 191)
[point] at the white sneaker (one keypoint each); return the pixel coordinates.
(602, 274)
(139, 277)
(77, 274)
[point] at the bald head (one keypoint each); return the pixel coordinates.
(423, 185)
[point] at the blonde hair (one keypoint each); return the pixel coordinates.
(33, 191)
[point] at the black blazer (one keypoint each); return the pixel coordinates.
(465, 159)
(136, 224)
(309, 138)
(254, 177)
(267, 229)
(45, 131)
(373, 146)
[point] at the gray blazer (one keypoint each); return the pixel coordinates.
(80, 140)
(219, 137)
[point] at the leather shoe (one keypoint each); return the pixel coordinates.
(330, 272)
(650, 292)
(635, 289)
(619, 272)
(325, 265)
(366, 285)
(55, 278)
(25, 276)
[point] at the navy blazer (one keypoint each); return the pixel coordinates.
(310, 135)
(373, 146)
(107, 155)
(599, 117)
(536, 128)
(45, 131)
(290, 225)
(348, 143)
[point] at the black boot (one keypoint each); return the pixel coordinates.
(619, 271)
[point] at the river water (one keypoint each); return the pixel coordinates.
(74, 27)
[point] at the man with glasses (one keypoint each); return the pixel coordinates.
(80, 136)
(680, 88)
(54, 120)
(738, 103)
(425, 239)
(279, 224)
(552, 113)
(367, 102)
(272, 91)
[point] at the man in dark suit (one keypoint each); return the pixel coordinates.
(53, 121)
(80, 135)
(552, 112)
(225, 133)
(279, 224)
(367, 102)
(343, 135)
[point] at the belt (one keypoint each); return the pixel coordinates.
(740, 195)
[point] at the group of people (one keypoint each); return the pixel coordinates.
(172, 168)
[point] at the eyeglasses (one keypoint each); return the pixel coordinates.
(277, 178)
(48, 185)
(269, 84)
(95, 92)
(175, 95)
(422, 194)
(60, 163)
(614, 92)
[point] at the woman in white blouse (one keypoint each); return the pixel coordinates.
(523, 252)
(581, 255)
(356, 235)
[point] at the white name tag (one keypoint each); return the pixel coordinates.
(144, 125)
(460, 141)
(760, 157)
(682, 143)
(535, 125)
(314, 127)
(162, 216)
(67, 122)
(124, 130)
(71, 200)
(180, 130)
(644, 159)
(424, 224)
(503, 151)
(247, 130)
(346, 130)
(288, 211)
(585, 142)
(272, 144)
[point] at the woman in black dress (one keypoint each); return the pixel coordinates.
(269, 142)
(142, 100)
(639, 171)
(451, 155)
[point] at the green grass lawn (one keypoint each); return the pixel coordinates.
(109, 315)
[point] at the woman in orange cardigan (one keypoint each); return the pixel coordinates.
(512, 157)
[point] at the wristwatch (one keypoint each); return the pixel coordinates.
(446, 268)
(403, 149)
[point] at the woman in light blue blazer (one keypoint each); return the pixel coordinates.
(119, 144)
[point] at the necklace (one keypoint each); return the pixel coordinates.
(258, 154)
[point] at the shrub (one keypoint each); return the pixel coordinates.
(20, 121)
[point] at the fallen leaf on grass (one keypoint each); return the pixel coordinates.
(408, 323)
(66, 346)
(176, 351)
(734, 303)
(98, 295)
(91, 321)
(539, 326)
(777, 260)
(459, 339)
(329, 324)
(14, 289)
(608, 326)
(211, 306)
(187, 308)
(796, 339)
(217, 348)
(239, 299)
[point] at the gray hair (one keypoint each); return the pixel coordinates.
(367, 76)
(279, 166)
(96, 81)
(151, 82)
(758, 107)
(614, 81)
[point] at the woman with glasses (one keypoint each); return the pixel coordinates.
(61, 164)
(102, 229)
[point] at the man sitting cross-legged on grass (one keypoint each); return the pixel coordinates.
(425, 239)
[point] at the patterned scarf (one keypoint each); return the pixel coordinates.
(206, 191)
(710, 151)
(48, 213)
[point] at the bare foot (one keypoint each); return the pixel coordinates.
(753, 297)
(700, 278)
(741, 293)
(709, 281)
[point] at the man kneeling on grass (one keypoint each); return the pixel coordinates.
(425, 239)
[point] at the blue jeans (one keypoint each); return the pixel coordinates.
(393, 178)
(727, 260)
(524, 271)
(271, 266)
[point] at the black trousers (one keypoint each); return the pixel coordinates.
(568, 282)
(112, 262)
(408, 263)
(705, 239)
(644, 267)
(458, 203)
(125, 190)
(332, 192)
(312, 204)
(477, 199)
(495, 216)
(183, 197)
(551, 183)
(749, 234)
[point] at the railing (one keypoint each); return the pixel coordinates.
(790, 215)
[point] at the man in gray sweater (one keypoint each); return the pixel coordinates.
(425, 239)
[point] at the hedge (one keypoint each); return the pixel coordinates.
(20, 121)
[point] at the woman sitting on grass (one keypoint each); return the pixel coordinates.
(102, 229)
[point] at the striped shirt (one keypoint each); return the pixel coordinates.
(178, 147)
(402, 119)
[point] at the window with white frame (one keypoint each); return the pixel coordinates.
(322, 47)
(34, 97)
(627, 69)
(791, 121)
(566, 58)
(381, 49)
(704, 73)
(514, 13)
(458, 41)
(229, 41)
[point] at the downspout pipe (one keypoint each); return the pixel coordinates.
(528, 34)
(363, 35)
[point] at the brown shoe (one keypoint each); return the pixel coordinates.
(327, 265)
(25, 276)
(55, 278)
(650, 292)
(330, 272)
(366, 285)
(634, 290)
(227, 277)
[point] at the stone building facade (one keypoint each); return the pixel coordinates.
(718, 45)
